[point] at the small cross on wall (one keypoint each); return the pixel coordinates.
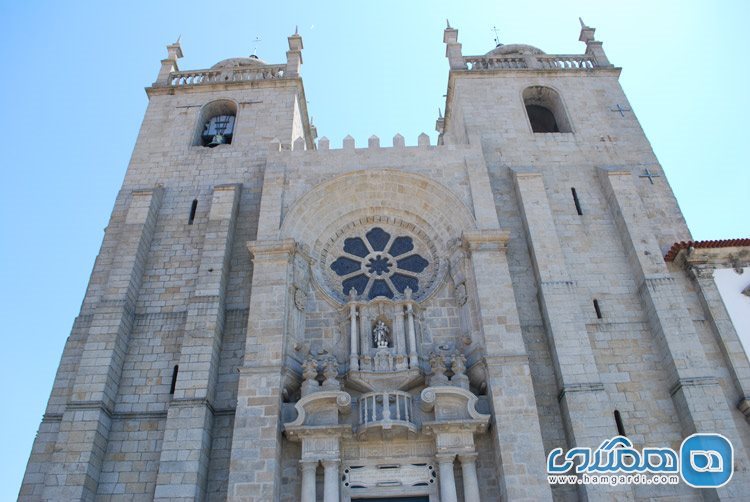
(620, 109)
(648, 174)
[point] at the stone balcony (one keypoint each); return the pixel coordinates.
(386, 414)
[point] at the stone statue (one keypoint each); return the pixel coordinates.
(381, 335)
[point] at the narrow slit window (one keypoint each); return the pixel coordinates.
(597, 309)
(618, 422)
(576, 201)
(174, 379)
(193, 208)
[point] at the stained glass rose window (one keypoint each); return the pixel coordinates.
(379, 265)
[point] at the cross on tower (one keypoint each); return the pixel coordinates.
(620, 109)
(648, 174)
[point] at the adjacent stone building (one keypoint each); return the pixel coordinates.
(270, 318)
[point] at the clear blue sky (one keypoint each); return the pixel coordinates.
(72, 101)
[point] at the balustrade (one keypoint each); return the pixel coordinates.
(240, 74)
(555, 62)
(495, 63)
(386, 409)
(567, 62)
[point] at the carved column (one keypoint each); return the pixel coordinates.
(308, 468)
(413, 357)
(330, 480)
(399, 339)
(354, 338)
(365, 336)
(317, 428)
(447, 481)
(469, 474)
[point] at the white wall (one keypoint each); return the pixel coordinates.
(730, 285)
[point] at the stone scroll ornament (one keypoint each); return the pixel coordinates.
(379, 265)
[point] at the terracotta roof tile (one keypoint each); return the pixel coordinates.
(726, 243)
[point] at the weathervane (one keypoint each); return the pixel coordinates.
(497, 36)
(255, 47)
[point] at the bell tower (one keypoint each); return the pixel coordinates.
(572, 174)
(193, 184)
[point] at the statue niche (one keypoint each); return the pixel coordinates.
(383, 343)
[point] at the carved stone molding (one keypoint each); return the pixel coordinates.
(272, 250)
(300, 299)
(692, 382)
(370, 476)
(318, 413)
(452, 405)
(702, 272)
(485, 240)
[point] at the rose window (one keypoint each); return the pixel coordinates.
(379, 265)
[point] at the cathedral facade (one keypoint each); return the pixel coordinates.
(270, 318)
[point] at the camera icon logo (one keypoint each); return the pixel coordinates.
(706, 460)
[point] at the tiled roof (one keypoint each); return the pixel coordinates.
(726, 243)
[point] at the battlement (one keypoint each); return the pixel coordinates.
(349, 144)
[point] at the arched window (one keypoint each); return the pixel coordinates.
(545, 110)
(216, 124)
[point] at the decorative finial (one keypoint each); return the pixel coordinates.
(178, 39)
(296, 29)
(440, 113)
(583, 25)
(448, 24)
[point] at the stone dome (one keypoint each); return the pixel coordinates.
(235, 62)
(513, 50)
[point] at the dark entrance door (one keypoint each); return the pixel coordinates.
(421, 498)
